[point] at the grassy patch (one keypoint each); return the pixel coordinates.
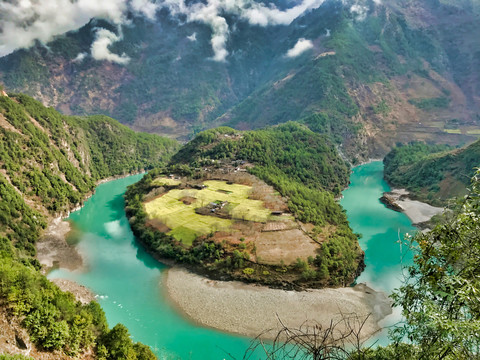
(186, 224)
(473, 132)
(163, 181)
(430, 103)
(184, 234)
(453, 131)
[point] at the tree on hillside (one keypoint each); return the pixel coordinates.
(441, 299)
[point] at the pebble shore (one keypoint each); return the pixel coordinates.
(250, 310)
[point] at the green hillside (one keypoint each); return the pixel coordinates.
(301, 166)
(434, 174)
(48, 164)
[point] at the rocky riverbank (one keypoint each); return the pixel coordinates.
(53, 251)
(418, 212)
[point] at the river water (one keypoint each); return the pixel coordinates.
(129, 282)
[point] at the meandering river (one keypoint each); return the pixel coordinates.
(129, 281)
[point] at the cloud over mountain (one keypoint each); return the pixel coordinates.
(22, 22)
(300, 47)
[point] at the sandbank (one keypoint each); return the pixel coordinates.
(418, 212)
(54, 251)
(81, 293)
(251, 310)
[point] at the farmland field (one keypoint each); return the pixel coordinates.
(186, 224)
(166, 181)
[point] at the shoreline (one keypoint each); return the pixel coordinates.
(81, 292)
(53, 250)
(249, 310)
(366, 162)
(418, 212)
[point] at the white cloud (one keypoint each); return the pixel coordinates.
(360, 11)
(22, 22)
(100, 47)
(192, 37)
(80, 57)
(212, 14)
(145, 7)
(300, 47)
(259, 14)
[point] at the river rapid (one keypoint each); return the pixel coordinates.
(128, 281)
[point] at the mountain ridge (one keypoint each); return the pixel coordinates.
(384, 78)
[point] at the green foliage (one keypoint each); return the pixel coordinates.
(14, 357)
(399, 351)
(54, 161)
(55, 321)
(248, 271)
(20, 224)
(440, 299)
(53, 318)
(301, 165)
(422, 169)
(430, 104)
(381, 108)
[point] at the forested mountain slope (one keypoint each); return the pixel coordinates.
(371, 74)
(434, 174)
(52, 161)
(48, 164)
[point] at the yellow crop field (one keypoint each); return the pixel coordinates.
(473, 132)
(453, 131)
(186, 224)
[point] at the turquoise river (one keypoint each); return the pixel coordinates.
(129, 282)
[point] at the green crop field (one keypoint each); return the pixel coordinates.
(186, 224)
(163, 181)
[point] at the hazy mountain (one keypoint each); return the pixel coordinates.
(369, 73)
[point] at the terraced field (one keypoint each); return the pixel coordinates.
(177, 209)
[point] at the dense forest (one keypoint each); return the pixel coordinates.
(302, 166)
(49, 163)
(432, 173)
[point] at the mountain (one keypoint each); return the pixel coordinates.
(434, 174)
(49, 163)
(396, 71)
(256, 206)
(53, 161)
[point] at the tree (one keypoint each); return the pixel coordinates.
(441, 297)
(340, 340)
(118, 344)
